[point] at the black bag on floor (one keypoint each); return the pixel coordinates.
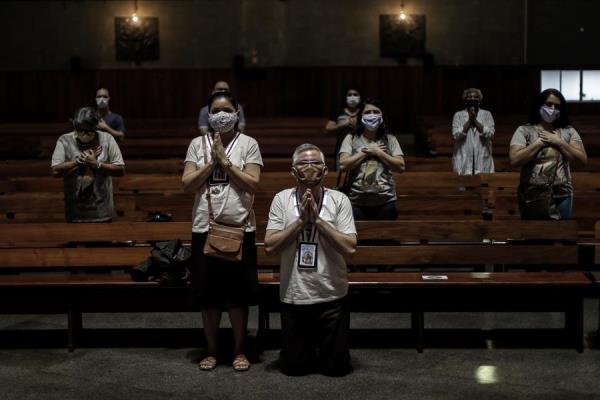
(168, 263)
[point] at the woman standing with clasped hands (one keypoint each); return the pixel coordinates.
(227, 163)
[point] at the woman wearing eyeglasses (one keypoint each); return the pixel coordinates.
(370, 156)
(544, 149)
(87, 159)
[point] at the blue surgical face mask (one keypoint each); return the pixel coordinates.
(372, 121)
(549, 114)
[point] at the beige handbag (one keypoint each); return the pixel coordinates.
(223, 241)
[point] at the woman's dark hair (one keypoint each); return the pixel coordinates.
(360, 128)
(349, 88)
(534, 113)
(86, 116)
(227, 96)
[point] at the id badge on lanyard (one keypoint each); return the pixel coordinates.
(219, 175)
(308, 249)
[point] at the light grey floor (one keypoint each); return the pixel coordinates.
(390, 372)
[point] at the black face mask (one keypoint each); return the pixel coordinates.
(472, 103)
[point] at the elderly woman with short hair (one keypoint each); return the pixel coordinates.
(472, 130)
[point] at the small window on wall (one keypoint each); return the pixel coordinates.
(575, 85)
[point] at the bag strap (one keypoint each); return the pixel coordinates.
(204, 153)
(211, 215)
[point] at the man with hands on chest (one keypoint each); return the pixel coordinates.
(108, 121)
(312, 228)
(87, 159)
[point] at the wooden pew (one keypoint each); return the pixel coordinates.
(597, 252)
(420, 195)
(25, 268)
(169, 139)
(449, 245)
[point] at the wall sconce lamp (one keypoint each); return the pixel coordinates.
(134, 19)
(402, 15)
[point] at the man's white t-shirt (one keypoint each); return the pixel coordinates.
(329, 281)
(230, 204)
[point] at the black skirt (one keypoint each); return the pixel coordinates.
(224, 284)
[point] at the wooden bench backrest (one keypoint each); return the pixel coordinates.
(448, 249)
(582, 181)
(597, 235)
(398, 231)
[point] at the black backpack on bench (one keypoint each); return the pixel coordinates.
(168, 263)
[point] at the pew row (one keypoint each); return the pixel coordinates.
(71, 278)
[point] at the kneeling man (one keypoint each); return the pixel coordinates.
(312, 227)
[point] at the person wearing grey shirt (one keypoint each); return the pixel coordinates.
(473, 130)
(87, 159)
(369, 157)
(544, 149)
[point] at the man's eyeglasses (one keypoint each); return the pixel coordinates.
(306, 163)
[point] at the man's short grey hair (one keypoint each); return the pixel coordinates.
(471, 90)
(306, 147)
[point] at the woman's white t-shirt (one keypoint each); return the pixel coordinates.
(230, 204)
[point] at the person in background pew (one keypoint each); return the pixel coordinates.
(228, 163)
(344, 123)
(312, 227)
(369, 156)
(544, 149)
(473, 129)
(203, 125)
(109, 121)
(87, 159)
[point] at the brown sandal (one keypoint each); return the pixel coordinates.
(240, 363)
(208, 363)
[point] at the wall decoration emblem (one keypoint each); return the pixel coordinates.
(401, 38)
(137, 40)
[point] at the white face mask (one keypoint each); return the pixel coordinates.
(549, 114)
(222, 121)
(372, 121)
(102, 102)
(352, 100)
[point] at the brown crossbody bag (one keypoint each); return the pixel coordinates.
(223, 241)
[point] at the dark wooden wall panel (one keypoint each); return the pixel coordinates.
(407, 93)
